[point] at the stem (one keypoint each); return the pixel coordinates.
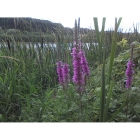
(126, 110)
(127, 107)
(81, 107)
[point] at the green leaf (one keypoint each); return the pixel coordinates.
(137, 108)
(119, 110)
(113, 49)
(108, 101)
(2, 118)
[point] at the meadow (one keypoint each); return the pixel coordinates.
(39, 83)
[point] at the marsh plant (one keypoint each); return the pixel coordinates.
(87, 77)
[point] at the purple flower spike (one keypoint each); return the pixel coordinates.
(76, 66)
(65, 71)
(59, 71)
(84, 63)
(129, 73)
(80, 66)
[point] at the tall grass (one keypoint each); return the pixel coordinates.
(29, 87)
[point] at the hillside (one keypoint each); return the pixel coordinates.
(28, 24)
(32, 24)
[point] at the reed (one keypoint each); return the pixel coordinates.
(29, 85)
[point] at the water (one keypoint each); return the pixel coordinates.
(48, 45)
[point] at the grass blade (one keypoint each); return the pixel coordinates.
(98, 35)
(119, 110)
(113, 49)
(108, 101)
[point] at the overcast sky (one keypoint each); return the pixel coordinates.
(87, 22)
(66, 11)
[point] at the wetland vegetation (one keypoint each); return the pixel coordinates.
(89, 76)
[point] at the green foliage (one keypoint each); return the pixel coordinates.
(18, 36)
(29, 89)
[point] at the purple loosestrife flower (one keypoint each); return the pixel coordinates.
(76, 66)
(78, 76)
(60, 72)
(65, 73)
(129, 73)
(80, 66)
(84, 63)
(77, 79)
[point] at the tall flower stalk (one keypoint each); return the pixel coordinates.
(59, 72)
(80, 68)
(78, 75)
(63, 73)
(84, 64)
(80, 64)
(129, 70)
(129, 73)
